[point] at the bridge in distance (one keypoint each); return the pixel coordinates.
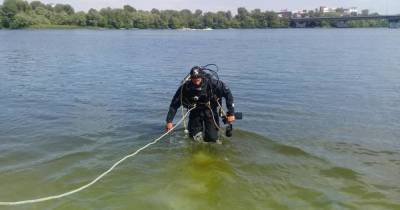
(341, 22)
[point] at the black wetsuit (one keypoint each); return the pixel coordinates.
(205, 98)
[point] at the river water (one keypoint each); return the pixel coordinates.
(320, 129)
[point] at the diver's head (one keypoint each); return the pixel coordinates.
(196, 75)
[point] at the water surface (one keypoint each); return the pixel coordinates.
(321, 107)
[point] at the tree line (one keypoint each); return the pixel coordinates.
(22, 14)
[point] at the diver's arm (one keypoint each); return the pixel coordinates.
(174, 106)
(227, 94)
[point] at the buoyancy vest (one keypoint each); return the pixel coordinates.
(199, 95)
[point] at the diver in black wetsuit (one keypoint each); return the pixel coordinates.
(206, 94)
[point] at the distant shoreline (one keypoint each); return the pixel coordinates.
(16, 14)
(73, 27)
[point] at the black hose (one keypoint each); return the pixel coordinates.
(212, 71)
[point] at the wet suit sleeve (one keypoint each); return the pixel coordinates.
(174, 106)
(225, 92)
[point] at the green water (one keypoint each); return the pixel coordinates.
(246, 172)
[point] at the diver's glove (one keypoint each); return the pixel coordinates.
(230, 118)
(169, 126)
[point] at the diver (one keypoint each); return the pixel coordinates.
(204, 92)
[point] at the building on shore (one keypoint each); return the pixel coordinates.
(322, 10)
(350, 11)
(284, 13)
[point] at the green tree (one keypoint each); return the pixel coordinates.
(128, 8)
(59, 8)
(37, 4)
(259, 17)
(94, 18)
(49, 7)
(208, 20)
(234, 23)
(21, 20)
(244, 18)
(2, 18)
(142, 20)
(60, 18)
(10, 8)
(78, 19)
(42, 11)
(198, 13)
(39, 20)
(196, 21)
(155, 11)
(106, 13)
(325, 24)
(117, 18)
(273, 20)
(221, 20)
(185, 17)
(163, 23)
(242, 14)
(174, 23)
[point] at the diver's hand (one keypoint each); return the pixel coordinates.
(169, 126)
(230, 119)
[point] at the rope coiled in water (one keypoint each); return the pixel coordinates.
(14, 203)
